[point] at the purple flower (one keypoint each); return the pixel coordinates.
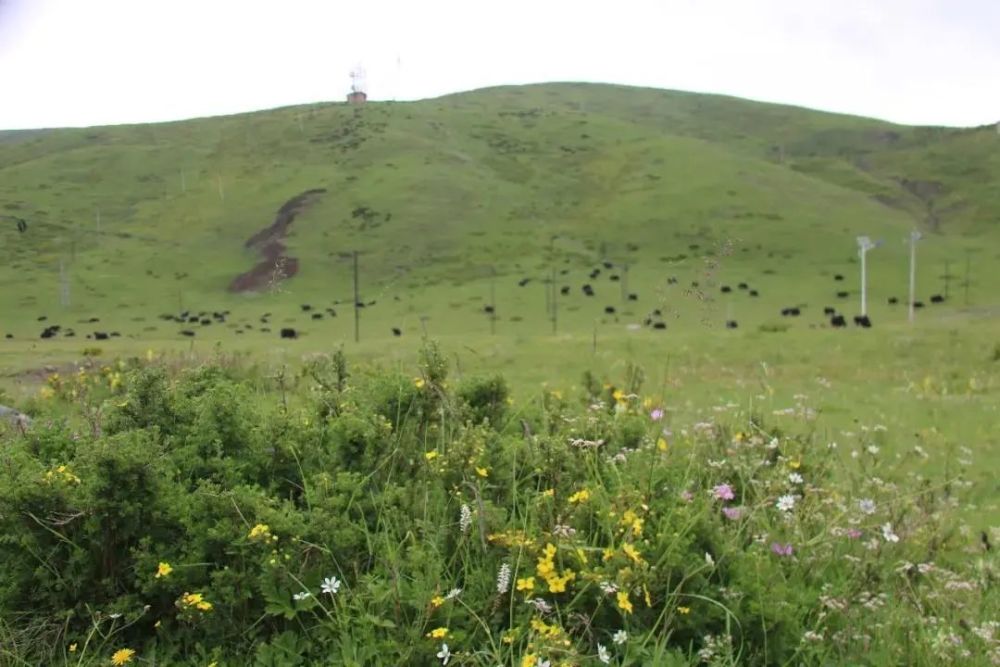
(732, 513)
(780, 550)
(656, 415)
(724, 492)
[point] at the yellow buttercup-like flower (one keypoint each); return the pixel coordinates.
(684, 610)
(260, 531)
(163, 570)
(437, 601)
(482, 472)
(526, 584)
(438, 633)
(624, 603)
(580, 496)
(431, 455)
(122, 656)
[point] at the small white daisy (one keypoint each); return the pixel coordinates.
(602, 654)
(444, 654)
(786, 503)
(331, 585)
(620, 637)
(299, 597)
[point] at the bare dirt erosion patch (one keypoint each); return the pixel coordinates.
(275, 265)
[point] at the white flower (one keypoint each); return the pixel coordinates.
(608, 588)
(620, 637)
(867, 506)
(888, 535)
(786, 503)
(114, 616)
(465, 518)
(299, 597)
(602, 654)
(795, 478)
(872, 449)
(547, 663)
(331, 585)
(709, 560)
(453, 593)
(503, 578)
(539, 604)
(444, 654)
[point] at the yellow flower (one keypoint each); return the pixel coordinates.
(46, 392)
(529, 660)
(526, 584)
(438, 633)
(510, 636)
(632, 553)
(579, 497)
(624, 603)
(647, 403)
(72, 647)
(607, 554)
(122, 656)
(163, 570)
(794, 465)
(645, 594)
(558, 584)
(431, 455)
(482, 472)
(261, 530)
(418, 382)
(618, 395)
(661, 444)
(213, 664)
(157, 624)
(548, 493)
(437, 601)
(684, 610)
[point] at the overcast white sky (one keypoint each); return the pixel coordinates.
(88, 62)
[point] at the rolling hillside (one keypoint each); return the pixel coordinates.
(491, 192)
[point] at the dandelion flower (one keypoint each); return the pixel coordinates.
(163, 570)
(620, 637)
(122, 656)
(444, 654)
(786, 503)
(438, 633)
(330, 585)
(724, 492)
(602, 654)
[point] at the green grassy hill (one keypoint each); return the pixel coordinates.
(441, 195)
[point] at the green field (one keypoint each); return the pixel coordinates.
(453, 203)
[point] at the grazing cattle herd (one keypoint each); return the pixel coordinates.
(653, 320)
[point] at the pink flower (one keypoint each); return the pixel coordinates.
(732, 513)
(780, 550)
(687, 496)
(656, 415)
(724, 492)
(853, 533)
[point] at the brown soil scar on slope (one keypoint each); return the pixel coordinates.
(274, 264)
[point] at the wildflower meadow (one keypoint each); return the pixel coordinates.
(218, 515)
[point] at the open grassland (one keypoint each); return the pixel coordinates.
(613, 233)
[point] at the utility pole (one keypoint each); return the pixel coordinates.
(864, 245)
(555, 305)
(63, 284)
(914, 237)
(357, 302)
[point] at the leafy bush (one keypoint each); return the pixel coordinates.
(376, 518)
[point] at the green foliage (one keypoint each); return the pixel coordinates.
(204, 522)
